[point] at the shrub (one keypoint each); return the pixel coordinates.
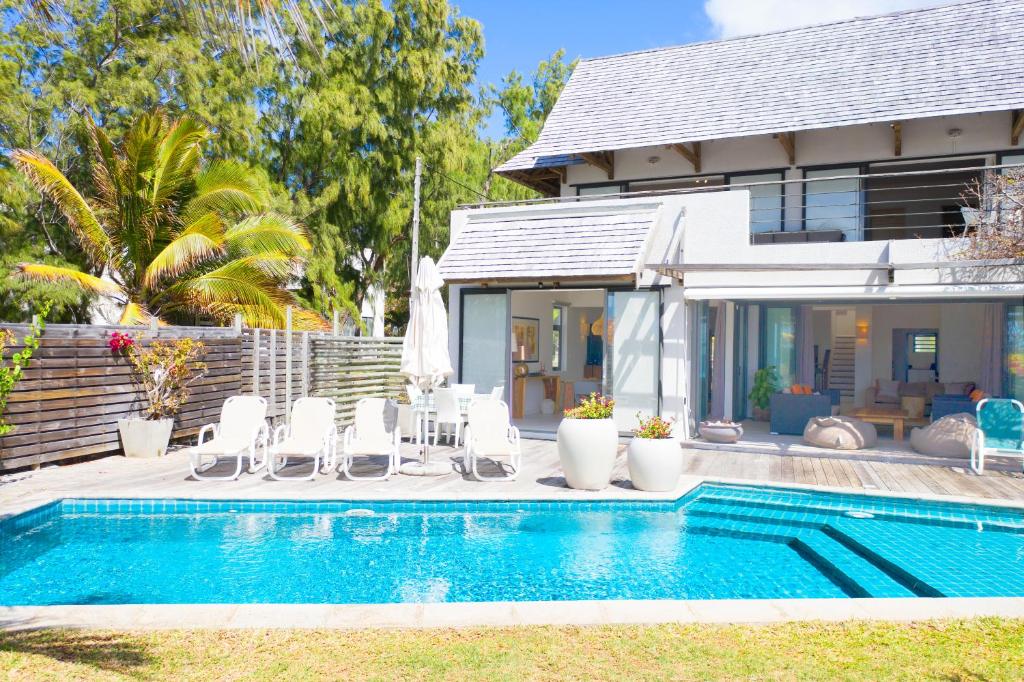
(653, 427)
(10, 375)
(164, 370)
(594, 407)
(766, 382)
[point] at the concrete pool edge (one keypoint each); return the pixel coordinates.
(500, 614)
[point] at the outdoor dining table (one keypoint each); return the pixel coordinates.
(423, 406)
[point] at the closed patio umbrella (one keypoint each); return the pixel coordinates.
(425, 358)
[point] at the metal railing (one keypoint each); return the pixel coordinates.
(861, 207)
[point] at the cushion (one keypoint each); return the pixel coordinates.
(888, 391)
(950, 436)
(960, 388)
(932, 389)
(977, 394)
(840, 433)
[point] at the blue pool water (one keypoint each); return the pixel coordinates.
(716, 542)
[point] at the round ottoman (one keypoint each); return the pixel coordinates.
(839, 433)
(950, 436)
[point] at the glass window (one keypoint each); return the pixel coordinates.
(833, 204)
(633, 358)
(778, 339)
(1013, 380)
(599, 190)
(485, 340)
(923, 342)
(765, 200)
(557, 316)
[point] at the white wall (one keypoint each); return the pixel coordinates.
(854, 144)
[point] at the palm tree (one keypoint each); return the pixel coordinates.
(170, 236)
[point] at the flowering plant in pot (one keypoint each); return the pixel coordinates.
(655, 460)
(588, 443)
(164, 370)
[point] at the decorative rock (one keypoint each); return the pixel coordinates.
(840, 433)
(950, 436)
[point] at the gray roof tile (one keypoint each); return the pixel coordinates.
(963, 58)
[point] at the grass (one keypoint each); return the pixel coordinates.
(983, 649)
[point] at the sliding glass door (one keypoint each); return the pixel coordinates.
(778, 341)
(1013, 350)
(484, 343)
(632, 372)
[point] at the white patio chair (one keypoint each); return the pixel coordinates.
(498, 392)
(242, 426)
(447, 415)
(310, 433)
(414, 394)
(464, 390)
(368, 436)
(490, 434)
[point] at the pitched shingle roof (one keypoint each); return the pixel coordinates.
(955, 59)
(563, 242)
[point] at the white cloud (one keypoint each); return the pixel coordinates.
(743, 17)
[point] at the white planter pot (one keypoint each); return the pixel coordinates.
(655, 463)
(144, 437)
(586, 450)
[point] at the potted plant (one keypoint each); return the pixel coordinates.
(164, 371)
(766, 382)
(588, 443)
(655, 460)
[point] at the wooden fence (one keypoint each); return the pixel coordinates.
(68, 403)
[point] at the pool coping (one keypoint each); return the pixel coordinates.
(501, 614)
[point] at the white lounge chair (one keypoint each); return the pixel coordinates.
(498, 392)
(242, 426)
(490, 434)
(368, 436)
(310, 433)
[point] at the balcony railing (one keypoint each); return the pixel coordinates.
(834, 206)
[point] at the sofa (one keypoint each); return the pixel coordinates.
(945, 405)
(790, 412)
(889, 393)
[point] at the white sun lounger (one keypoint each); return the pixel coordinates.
(489, 435)
(310, 433)
(368, 436)
(242, 427)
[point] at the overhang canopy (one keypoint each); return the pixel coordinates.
(552, 244)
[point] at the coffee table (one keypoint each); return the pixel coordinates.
(892, 416)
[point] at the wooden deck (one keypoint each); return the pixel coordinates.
(540, 479)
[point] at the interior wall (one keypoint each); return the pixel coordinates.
(538, 305)
(960, 334)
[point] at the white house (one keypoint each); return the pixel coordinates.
(788, 199)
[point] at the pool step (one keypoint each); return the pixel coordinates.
(857, 576)
(753, 514)
(916, 585)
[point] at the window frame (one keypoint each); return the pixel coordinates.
(558, 349)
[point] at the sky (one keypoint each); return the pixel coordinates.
(519, 34)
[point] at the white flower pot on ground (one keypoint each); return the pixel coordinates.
(586, 450)
(145, 437)
(655, 464)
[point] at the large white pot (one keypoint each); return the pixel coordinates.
(586, 450)
(655, 463)
(144, 437)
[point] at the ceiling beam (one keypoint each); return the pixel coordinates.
(788, 142)
(546, 181)
(603, 160)
(897, 138)
(691, 154)
(1016, 126)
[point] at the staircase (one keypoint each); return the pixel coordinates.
(840, 369)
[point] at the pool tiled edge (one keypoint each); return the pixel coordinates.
(500, 614)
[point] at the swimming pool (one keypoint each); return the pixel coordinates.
(719, 541)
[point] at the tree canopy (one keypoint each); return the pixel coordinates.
(328, 113)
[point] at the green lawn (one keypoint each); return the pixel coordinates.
(988, 649)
